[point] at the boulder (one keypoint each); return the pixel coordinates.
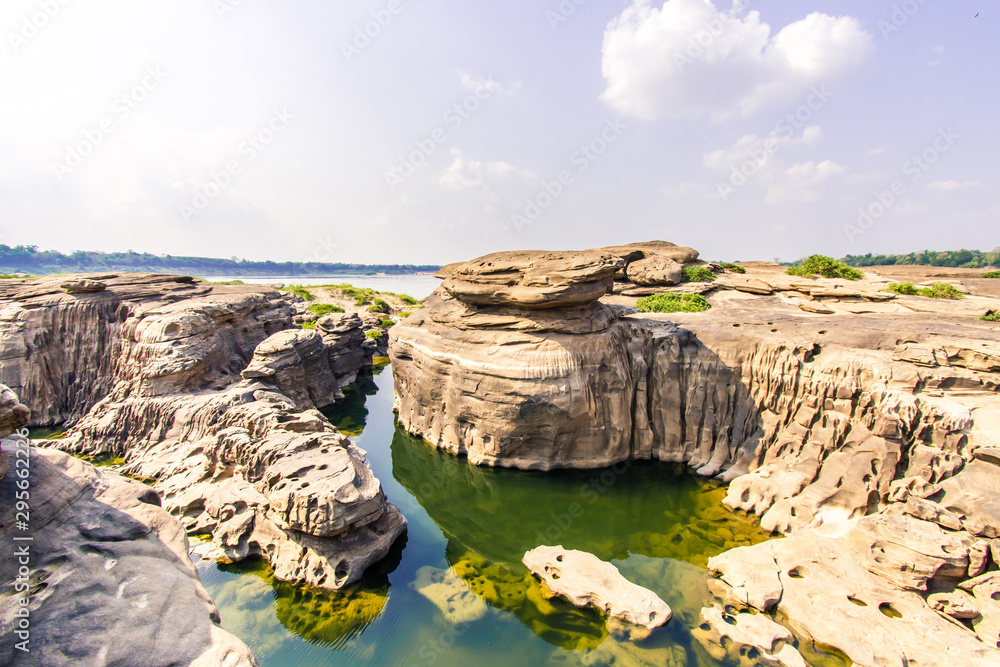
(654, 270)
(532, 279)
(118, 581)
(586, 580)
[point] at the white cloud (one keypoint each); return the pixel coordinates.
(760, 150)
(876, 151)
(689, 58)
(465, 172)
(948, 186)
(800, 183)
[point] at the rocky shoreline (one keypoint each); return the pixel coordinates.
(211, 393)
(858, 422)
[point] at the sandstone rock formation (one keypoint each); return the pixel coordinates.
(585, 580)
(827, 405)
(212, 393)
(95, 540)
(532, 279)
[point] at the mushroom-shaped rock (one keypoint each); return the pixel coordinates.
(532, 279)
(635, 251)
(584, 579)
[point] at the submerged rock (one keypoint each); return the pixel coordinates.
(585, 580)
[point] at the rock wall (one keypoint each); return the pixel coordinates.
(865, 429)
(213, 394)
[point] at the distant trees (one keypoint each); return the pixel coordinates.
(29, 259)
(966, 259)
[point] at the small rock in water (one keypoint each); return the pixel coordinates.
(584, 579)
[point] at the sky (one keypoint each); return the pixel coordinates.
(432, 131)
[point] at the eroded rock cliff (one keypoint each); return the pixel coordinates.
(212, 393)
(823, 403)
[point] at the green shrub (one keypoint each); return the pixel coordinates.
(991, 316)
(407, 299)
(298, 290)
(322, 309)
(942, 291)
(908, 289)
(991, 274)
(309, 325)
(380, 306)
(698, 274)
(673, 303)
(827, 267)
(230, 282)
(376, 335)
(386, 323)
(735, 268)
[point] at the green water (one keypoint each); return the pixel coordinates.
(658, 524)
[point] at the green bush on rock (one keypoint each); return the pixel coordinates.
(733, 268)
(380, 306)
(991, 316)
(322, 309)
(942, 291)
(697, 274)
(992, 274)
(907, 289)
(828, 267)
(298, 290)
(673, 303)
(376, 335)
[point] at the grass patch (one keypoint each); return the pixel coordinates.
(828, 267)
(673, 303)
(322, 309)
(409, 300)
(229, 282)
(697, 274)
(991, 316)
(376, 335)
(308, 326)
(991, 274)
(10, 276)
(386, 323)
(942, 291)
(906, 289)
(734, 268)
(380, 306)
(298, 290)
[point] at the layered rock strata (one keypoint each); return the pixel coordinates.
(78, 569)
(210, 392)
(858, 405)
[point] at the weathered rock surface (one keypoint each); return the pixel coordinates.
(869, 418)
(532, 279)
(654, 270)
(109, 573)
(211, 392)
(585, 580)
(732, 636)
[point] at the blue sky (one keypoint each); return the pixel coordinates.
(270, 130)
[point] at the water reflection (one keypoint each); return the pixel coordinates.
(329, 619)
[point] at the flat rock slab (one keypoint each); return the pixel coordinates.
(532, 279)
(584, 579)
